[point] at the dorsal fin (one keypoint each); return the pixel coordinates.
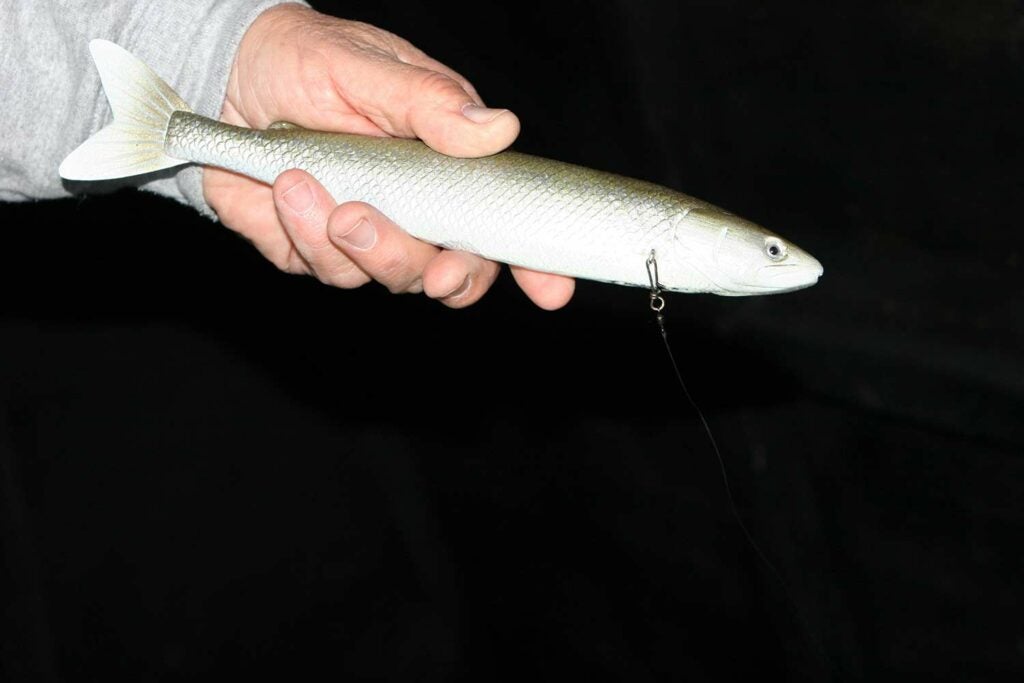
(284, 125)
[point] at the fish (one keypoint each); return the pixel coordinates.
(509, 207)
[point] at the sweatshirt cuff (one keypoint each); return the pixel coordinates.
(205, 42)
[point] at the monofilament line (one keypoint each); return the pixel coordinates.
(714, 446)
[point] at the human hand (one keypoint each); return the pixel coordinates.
(324, 73)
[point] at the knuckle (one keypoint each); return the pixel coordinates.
(392, 265)
(439, 85)
(345, 276)
(393, 269)
(286, 260)
(409, 286)
(396, 271)
(315, 78)
(361, 33)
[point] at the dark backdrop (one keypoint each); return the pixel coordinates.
(212, 467)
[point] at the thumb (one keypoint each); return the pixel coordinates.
(412, 101)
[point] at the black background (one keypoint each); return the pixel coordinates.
(213, 467)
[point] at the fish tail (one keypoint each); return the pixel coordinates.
(142, 104)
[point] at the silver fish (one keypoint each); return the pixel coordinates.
(510, 207)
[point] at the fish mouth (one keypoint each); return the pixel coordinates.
(788, 277)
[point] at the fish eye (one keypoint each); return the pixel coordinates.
(775, 248)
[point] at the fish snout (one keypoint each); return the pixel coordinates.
(796, 274)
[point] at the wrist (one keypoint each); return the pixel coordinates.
(269, 24)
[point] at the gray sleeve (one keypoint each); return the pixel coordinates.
(52, 99)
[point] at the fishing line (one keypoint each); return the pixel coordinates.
(658, 306)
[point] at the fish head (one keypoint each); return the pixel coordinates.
(739, 258)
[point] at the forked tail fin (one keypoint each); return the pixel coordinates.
(142, 103)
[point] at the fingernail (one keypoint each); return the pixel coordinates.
(478, 114)
(299, 198)
(461, 289)
(362, 235)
